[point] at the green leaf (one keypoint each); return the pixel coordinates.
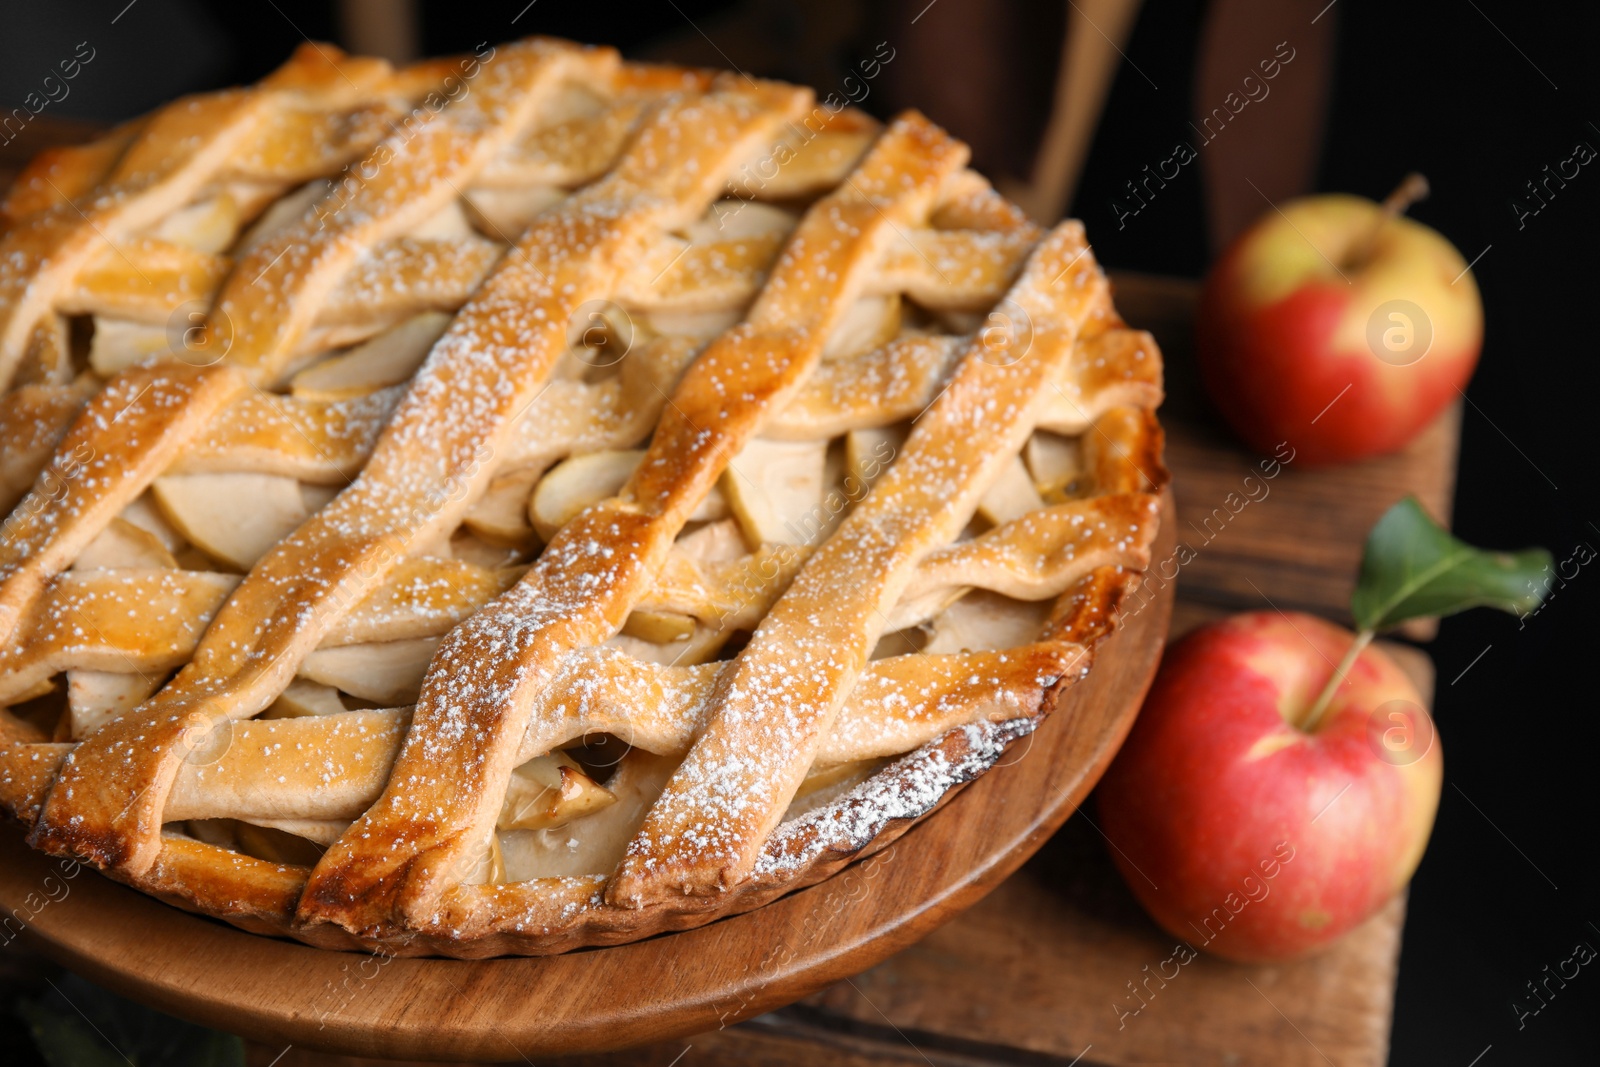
(64, 1041)
(76, 1024)
(1412, 567)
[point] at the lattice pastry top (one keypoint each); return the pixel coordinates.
(534, 500)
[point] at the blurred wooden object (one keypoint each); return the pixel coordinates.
(1005, 78)
(1266, 146)
(1097, 31)
(388, 28)
(810, 43)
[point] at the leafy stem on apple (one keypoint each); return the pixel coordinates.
(1412, 567)
(1412, 188)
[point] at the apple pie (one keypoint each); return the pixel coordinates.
(531, 500)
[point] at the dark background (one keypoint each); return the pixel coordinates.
(1478, 94)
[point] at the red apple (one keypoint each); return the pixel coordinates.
(1247, 835)
(1339, 326)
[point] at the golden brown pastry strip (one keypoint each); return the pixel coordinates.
(58, 175)
(407, 275)
(882, 387)
(414, 842)
(154, 410)
(137, 620)
(327, 442)
(334, 766)
(1117, 368)
(1032, 557)
(956, 270)
(1035, 556)
(147, 278)
(143, 279)
(33, 419)
(778, 702)
(87, 620)
(320, 441)
(1122, 451)
(574, 416)
(567, 154)
(295, 145)
(263, 311)
(810, 160)
(133, 621)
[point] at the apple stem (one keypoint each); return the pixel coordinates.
(1412, 188)
(1324, 698)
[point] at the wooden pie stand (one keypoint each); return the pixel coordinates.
(684, 983)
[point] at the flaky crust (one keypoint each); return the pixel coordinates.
(624, 175)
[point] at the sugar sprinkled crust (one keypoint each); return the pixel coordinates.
(349, 452)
